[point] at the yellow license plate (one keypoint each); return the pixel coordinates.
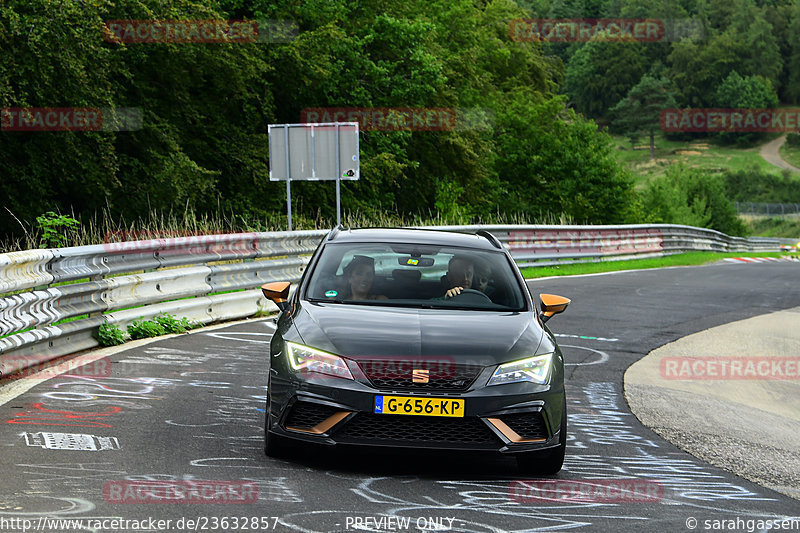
(410, 405)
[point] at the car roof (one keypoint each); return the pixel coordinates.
(414, 236)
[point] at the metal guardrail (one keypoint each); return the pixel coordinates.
(216, 277)
(761, 209)
(207, 279)
(549, 245)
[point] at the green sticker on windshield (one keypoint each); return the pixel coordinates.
(414, 262)
(331, 294)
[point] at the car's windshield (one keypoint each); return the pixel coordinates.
(415, 276)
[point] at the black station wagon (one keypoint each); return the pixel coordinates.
(417, 338)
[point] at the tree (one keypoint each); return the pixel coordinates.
(697, 68)
(54, 56)
(205, 108)
(760, 52)
(555, 161)
(750, 92)
(439, 53)
(793, 62)
(640, 111)
(718, 14)
(599, 75)
(738, 36)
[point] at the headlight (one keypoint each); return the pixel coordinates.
(534, 369)
(305, 359)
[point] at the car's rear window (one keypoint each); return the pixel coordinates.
(415, 276)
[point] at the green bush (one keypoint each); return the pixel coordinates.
(691, 197)
(55, 229)
(174, 325)
(793, 139)
(109, 335)
(141, 329)
(757, 185)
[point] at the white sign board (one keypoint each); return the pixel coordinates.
(325, 151)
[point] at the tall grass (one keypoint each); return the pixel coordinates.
(104, 227)
(788, 227)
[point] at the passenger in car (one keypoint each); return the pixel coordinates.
(460, 271)
(360, 273)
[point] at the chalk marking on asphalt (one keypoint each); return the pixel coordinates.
(23, 384)
(231, 336)
(603, 356)
(20, 386)
(585, 337)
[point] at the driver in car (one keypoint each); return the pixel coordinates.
(460, 271)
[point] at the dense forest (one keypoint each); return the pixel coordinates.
(205, 107)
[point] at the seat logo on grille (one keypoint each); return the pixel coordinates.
(419, 375)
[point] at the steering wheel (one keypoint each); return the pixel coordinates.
(471, 296)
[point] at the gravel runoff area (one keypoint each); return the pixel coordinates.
(739, 418)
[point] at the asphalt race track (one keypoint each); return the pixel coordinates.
(190, 409)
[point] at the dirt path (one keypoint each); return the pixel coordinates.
(771, 154)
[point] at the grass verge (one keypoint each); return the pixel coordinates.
(684, 259)
(708, 155)
(791, 154)
(788, 227)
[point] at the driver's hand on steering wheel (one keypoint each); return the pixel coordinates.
(455, 291)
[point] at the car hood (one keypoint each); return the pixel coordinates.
(363, 332)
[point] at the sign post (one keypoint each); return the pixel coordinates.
(311, 152)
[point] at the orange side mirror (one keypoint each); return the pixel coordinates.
(278, 292)
(552, 304)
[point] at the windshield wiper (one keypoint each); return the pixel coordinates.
(327, 300)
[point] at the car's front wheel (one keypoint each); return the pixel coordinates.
(274, 445)
(546, 462)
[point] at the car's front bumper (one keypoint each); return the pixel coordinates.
(505, 418)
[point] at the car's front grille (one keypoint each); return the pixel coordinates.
(527, 425)
(399, 429)
(306, 415)
(442, 374)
